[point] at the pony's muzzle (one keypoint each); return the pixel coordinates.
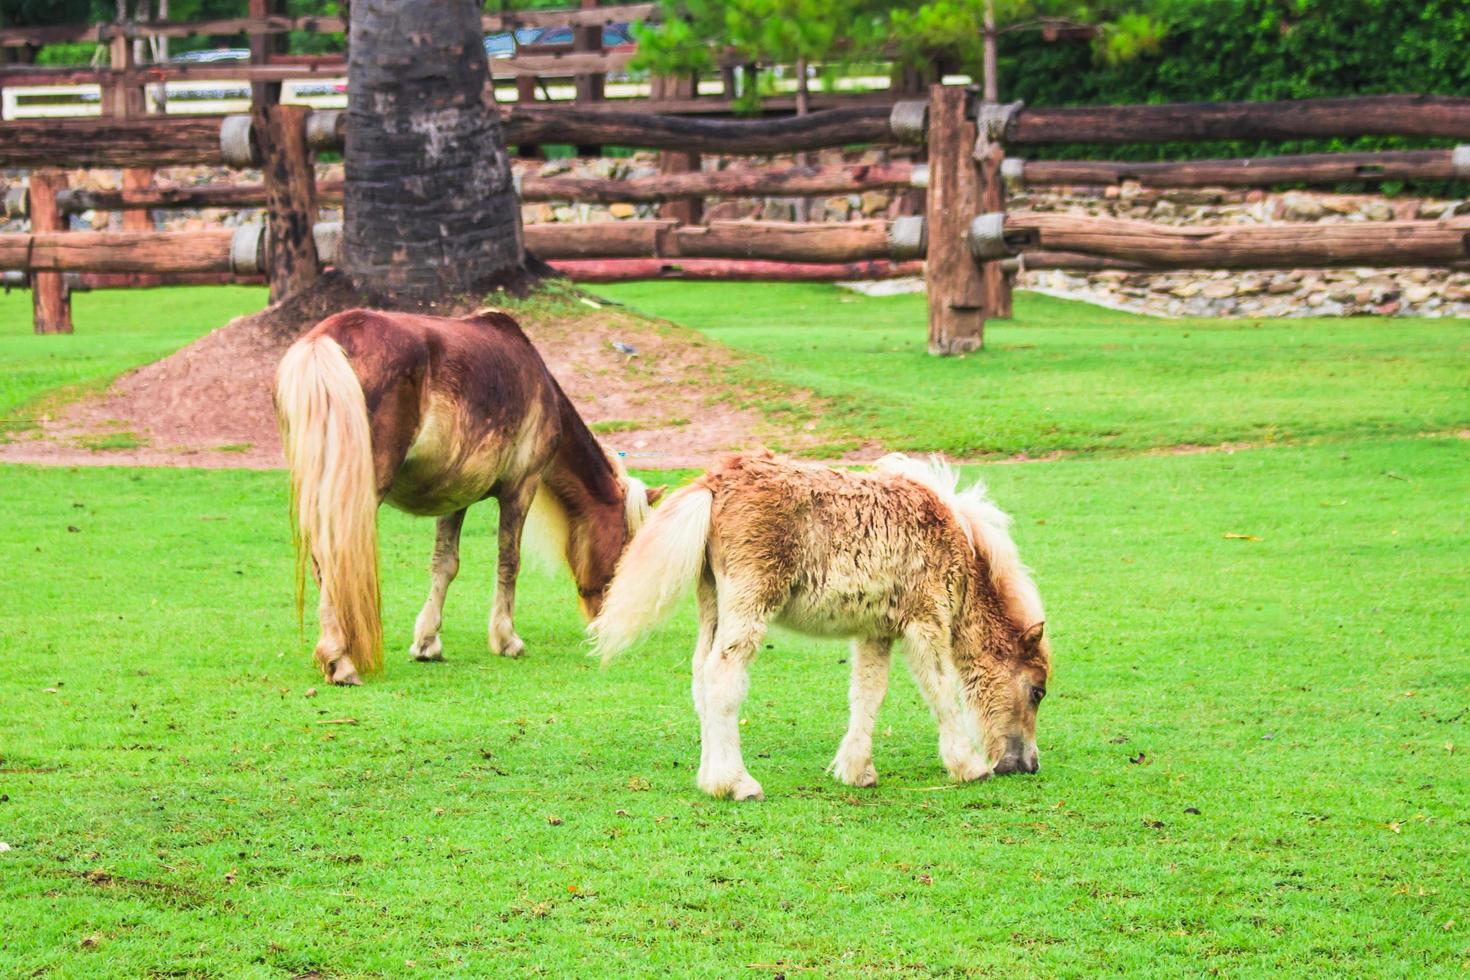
(1018, 757)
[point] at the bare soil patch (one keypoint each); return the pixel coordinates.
(665, 395)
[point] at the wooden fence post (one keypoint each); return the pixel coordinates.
(262, 46)
(956, 287)
(690, 210)
(290, 198)
(988, 155)
(50, 304)
(589, 87)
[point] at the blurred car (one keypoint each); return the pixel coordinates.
(211, 56)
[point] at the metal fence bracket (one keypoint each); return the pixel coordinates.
(908, 121)
(907, 237)
(987, 237)
(247, 250)
(237, 142)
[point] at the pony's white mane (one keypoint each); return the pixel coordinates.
(547, 531)
(987, 527)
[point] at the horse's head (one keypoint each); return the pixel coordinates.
(594, 574)
(1011, 685)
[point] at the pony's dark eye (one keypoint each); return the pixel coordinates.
(1037, 693)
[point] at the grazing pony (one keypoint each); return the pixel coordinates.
(432, 415)
(892, 554)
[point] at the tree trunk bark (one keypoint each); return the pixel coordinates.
(430, 213)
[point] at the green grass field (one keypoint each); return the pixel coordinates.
(1253, 752)
(1063, 376)
(116, 330)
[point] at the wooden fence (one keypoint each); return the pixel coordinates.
(969, 241)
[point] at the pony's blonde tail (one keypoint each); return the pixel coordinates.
(662, 561)
(334, 500)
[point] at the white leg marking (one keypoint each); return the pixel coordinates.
(443, 567)
(854, 763)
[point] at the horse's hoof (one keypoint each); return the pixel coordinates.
(971, 771)
(747, 789)
(860, 777)
(512, 648)
(426, 650)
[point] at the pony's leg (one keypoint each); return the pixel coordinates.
(708, 621)
(854, 763)
(738, 635)
(442, 568)
(331, 649)
(515, 503)
(927, 649)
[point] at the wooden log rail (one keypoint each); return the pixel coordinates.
(1368, 115)
(769, 240)
(1306, 168)
(1286, 246)
(276, 24)
(845, 179)
(189, 140)
(830, 127)
(244, 251)
(796, 181)
(731, 270)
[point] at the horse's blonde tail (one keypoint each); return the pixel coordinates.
(662, 561)
(334, 501)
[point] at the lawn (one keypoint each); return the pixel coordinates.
(116, 330)
(1253, 749)
(1065, 376)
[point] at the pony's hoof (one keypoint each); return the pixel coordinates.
(430, 649)
(341, 672)
(512, 647)
(971, 771)
(747, 789)
(861, 774)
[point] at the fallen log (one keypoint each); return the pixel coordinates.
(809, 180)
(1306, 168)
(1290, 246)
(1297, 119)
(731, 270)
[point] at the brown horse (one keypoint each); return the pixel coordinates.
(433, 415)
(894, 554)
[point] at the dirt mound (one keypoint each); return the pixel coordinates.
(664, 395)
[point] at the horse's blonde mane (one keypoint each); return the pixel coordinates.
(547, 528)
(987, 527)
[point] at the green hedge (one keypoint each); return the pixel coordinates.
(1228, 50)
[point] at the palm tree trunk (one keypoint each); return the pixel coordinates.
(430, 210)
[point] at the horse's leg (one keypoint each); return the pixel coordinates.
(515, 503)
(927, 648)
(854, 762)
(708, 620)
(331, 649)
(443, 566)
(738, 635)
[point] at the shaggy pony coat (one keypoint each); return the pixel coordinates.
(895, 554)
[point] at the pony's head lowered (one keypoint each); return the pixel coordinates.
(1000, 645)
(590, 536)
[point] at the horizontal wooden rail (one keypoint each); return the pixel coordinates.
(1285, 246)
(770, 240)
(1368, 115)
(104, 32)
(1307, 168)
(829, 127)
(166, 141)
(118, 251)
(77, 200)
(795, 181)
(731, 270)
(186, 140)
(240, 250)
